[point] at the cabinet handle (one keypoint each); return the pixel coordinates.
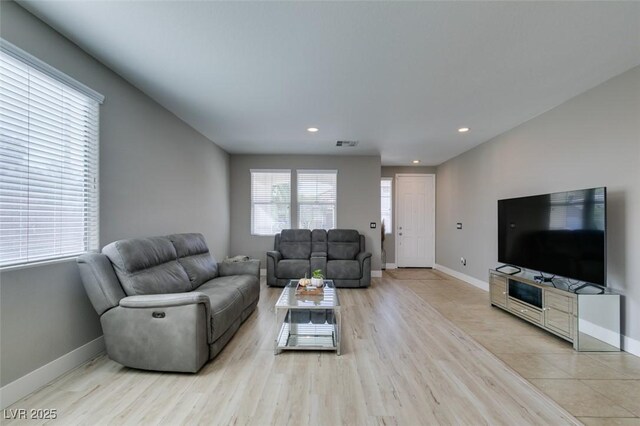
(523, 310)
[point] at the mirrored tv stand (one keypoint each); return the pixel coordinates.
(586, 315)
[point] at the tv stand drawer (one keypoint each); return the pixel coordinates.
(498, 290)
(559, 302)
(528, 312)
(558, 321)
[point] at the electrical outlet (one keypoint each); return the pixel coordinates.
(463, 261)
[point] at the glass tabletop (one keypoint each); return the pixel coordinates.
(289, 298)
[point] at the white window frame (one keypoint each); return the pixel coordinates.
(298, 204)
(251, 173)
(388, 226)
(91, 221)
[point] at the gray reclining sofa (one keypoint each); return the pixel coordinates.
(339, 253)
(164, 302)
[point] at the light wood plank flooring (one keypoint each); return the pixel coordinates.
(408, 358)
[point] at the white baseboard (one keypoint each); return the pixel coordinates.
(630, 345)
(391, 266)
(263, 272)
(464, 277)
(33, 381)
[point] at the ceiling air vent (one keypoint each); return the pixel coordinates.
(347, 144)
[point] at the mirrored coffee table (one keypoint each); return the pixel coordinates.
(308, 322)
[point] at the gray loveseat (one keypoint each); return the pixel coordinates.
(339, 253)
(164, 302)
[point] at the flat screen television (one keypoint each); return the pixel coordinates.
(562, 234)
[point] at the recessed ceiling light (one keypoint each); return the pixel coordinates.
(416, 161)
(463, 129)
(312, 129)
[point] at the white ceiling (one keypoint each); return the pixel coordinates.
(399, 77)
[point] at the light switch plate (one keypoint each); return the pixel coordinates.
(459, 225)
(372, 225)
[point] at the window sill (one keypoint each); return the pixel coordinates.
(39, 263)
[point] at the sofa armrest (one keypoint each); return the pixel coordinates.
(165, 332)
(168, 301)
(100, 281)
(165, 300)
(248, 267)
(275, 255)
(362, 256)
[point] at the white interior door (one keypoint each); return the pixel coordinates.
(415, 227)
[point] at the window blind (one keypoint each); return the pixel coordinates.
(386, 204)
(48, 166)
(317, 196)
(270, 201)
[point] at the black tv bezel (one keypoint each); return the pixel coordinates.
(606, 225)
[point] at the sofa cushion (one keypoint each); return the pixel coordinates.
(318, 241)
(343, 244)
(343, 269)
(226, 305)
(295, 243)
(247, 285)
(292, 268)
(193, 255)
(147, 266)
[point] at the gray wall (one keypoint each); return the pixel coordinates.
(591, 140)
(358, 197)
(157, 176)
(391, 171)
